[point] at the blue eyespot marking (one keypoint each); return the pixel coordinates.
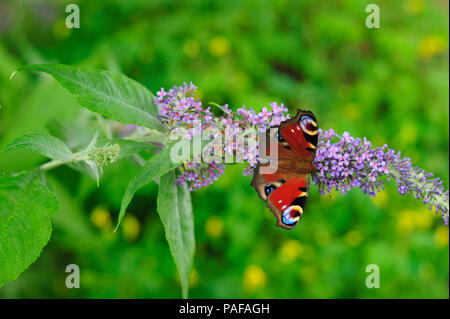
(291, 215)
(308, 124)
(269, 188)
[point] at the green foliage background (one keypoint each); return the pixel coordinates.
(389, 85)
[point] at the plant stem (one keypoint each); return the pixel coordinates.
(219, 107)
(50, 165)
(55, 163)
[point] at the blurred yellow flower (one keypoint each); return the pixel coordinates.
(254, 278)
(290, 250)
(191, 48)
(378, 141)
(353, 238)
(431, 45)
(199, 94)
(405, 221)
(60, 30)
(408, 133)
(219, 46)
(214, 227)
(308, 273)
(408, 220)
(352, 111)
(130, 227)
(427, 271)
(381, 199)
(193, 278)
(329, 199)
(322, 237)
(441, 236)
(101, 218)
(240, 80)
(423, 219)
(414, 6)
(90, 277)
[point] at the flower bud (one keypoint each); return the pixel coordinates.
(102, 156)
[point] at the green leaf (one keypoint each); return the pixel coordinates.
(175, 210)
(155, 167)
(26, 205)
(110, 94)
(46, 145)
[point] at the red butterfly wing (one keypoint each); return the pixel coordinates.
(286, 190)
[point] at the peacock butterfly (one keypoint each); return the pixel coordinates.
(285, 189)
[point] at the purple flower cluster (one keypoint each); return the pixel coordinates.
(261, 121)
(344, 162)
(430, 190)
(198, 175)
(264, 119)
(179, 108)
(181, 112)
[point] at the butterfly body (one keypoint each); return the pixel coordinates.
(285, 190)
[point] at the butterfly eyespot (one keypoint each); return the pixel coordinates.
(269, 188)
(280, 137)
(292, 215)
(308, 124)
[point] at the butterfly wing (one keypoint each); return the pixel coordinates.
(286, 190)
